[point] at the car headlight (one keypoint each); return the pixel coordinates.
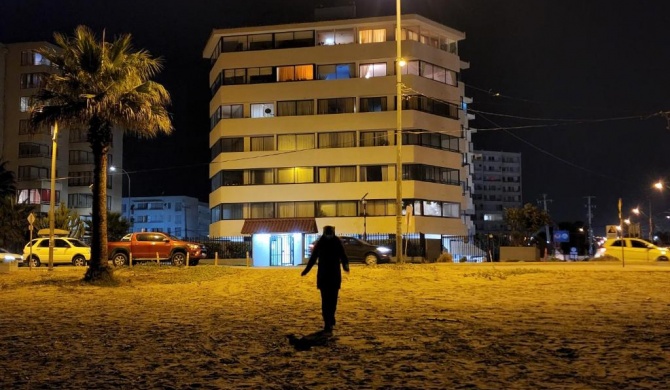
(383, 249)
(193, 246)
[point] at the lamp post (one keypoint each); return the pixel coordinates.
(637, 211)
(52, 194)
(398, 177)
(130, 199)
(364, 203)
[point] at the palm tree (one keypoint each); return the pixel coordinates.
(101, 85)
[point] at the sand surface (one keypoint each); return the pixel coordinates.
(415, 326)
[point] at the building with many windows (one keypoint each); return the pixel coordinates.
(28, 152)
(303, 124)
(497, 178)
(180, 216)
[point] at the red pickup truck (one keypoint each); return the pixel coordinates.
(150, 246)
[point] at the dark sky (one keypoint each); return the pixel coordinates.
(571, 68)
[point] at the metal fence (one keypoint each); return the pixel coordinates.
(415, 247)
(231, 247)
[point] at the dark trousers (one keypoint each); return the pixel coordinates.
(328, 306)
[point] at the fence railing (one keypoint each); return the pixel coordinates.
(414, 246)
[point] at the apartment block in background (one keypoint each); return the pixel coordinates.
(28, 153)
(497, 178)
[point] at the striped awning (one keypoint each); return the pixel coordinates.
(283, 225)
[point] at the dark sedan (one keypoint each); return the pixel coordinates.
(358, 250)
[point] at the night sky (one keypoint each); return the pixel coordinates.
(575, 86)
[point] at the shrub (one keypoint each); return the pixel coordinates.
(445, 257)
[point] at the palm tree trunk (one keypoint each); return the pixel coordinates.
(99, 138)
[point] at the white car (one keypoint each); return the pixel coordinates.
(6, 256)
(66, 251)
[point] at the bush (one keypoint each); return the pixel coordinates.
(463, 260)
(445, 257)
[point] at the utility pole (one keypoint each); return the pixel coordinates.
(544, 203)
(589, 217)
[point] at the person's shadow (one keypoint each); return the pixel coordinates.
(306, 343)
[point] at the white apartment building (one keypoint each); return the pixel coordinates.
(303, 123)
(180, 216)
(29, 153)
(497, 178)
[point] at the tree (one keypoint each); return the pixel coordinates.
(64, 219)
(7, 181)
(13, 216)
(117, 226)
(101, 86)
(524, 222)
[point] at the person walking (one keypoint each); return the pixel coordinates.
(330, 252)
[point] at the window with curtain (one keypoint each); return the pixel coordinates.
(286, 142)
(305, 141)
(372, 36)
(377, 207)
(304, 175)
(232, 211)
(451, 210)
(347, 208)
(342, 139)
(262, 110)
(262, 210)
(285, 73)
(372, 70)
(410, 35)
(304, 209)
(337, 174)
(286, 209)
(285, 175)
(304, 72)
(295, 107)
(374, 138)
(305, 107)
(326, 209)
(295, 141)
(412, 67)
(260, 176)
(262, 144)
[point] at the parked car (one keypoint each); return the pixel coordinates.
(66, 251)
(358, 250)
(149, 246)
(6, 256)
(634, 249)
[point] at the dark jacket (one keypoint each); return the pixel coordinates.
(330, 252)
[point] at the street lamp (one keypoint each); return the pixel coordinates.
(130, 199)
(364, 203)
(637, 211)
(398, 177)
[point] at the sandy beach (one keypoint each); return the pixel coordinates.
(587, 325)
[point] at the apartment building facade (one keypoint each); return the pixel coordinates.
(180, 216)
(303, 124)
(497, 178)
(28, 152)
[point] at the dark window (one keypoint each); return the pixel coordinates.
(373, 104)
